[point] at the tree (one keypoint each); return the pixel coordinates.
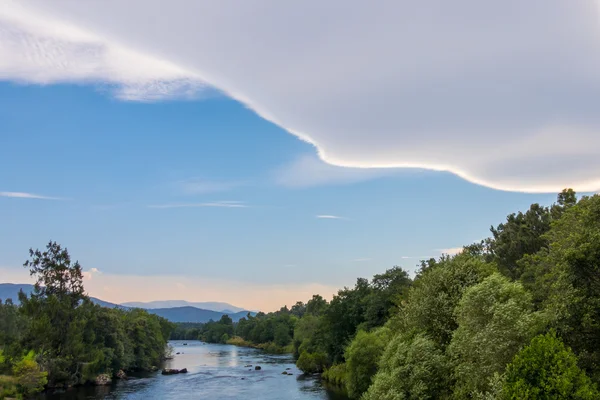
(566, 280)
(435, 294)
(521, 234)
(388, 289)
(55, 274)
(362, 356)
(547, 370)
(495, 319)
(346, 312)
(411, 367)
(317, 305)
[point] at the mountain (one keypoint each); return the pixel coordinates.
(194, 314)
(11, 291)
(186, 313)
(208, 305)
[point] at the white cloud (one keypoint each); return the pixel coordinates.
(430, 84)
(451, 251)
(329, 217)
(224, 204)
(22, 195)
(89, 274)
(38, 49)
(309, 170)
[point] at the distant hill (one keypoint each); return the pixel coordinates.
(206, 305)
(186, 313)
(194, 314)
(11, 291)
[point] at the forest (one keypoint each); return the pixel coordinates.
(515, 316)
(58, 338)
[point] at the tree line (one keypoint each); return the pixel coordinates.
(57, 337)
(515, 316)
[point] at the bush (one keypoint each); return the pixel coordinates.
(224, 338)
(8, 386)
(495, 320)
(311, 363)
(29, 377)
(546, 369)
(336, 374)
(410, 368)
(362, 356)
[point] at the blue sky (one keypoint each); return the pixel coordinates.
(120, 169)
(187, 151)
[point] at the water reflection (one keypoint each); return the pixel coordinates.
(215, 372)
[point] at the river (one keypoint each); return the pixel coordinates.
(215, 371)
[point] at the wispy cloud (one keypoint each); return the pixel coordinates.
(203, 186)
(23, 195)
(416, 257)
(223, 204)
(325, 216)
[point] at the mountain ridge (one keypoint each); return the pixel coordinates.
(174, 314)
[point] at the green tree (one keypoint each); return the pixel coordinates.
(411, 368)
(435, 294)
(362, 356)
(565, 278)
(547, 370)
(495, 319)
(388, 289)
(521, 234)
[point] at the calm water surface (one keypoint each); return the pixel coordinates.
(214, 372)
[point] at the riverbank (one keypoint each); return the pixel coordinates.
(215, 371)
(270, 347)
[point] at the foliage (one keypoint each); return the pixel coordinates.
(311, 363)
(410, 368)
(362, 356)
(437, 292)
(495, 319)
(546, 370)
(565, 278)
(336, 374)
(29, 377)
(74, 340)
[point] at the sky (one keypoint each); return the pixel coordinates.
(261, 152)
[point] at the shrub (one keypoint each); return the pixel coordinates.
(336, 374)
(311, 363)
(410, 368)
(546, 369)
(362, 356)
(29, 377)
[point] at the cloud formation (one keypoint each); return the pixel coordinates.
(223, 204)
(429, 84)
(23, 195)
(329, 217)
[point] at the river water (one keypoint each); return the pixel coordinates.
(215, 371)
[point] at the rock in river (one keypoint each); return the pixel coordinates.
(257, 368)
(103, 379)
(167, 371)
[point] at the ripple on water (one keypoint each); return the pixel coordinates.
(214, 372)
